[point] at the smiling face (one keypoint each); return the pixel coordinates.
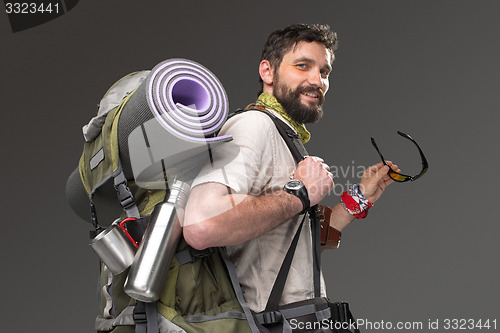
(301, 80)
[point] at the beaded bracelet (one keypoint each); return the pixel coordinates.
(355, 202)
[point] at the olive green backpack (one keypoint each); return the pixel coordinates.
(201, 292)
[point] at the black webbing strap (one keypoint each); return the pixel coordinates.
(300, 310)
(298, 152)
(93, 214)
(125, 195)
(279, 283)
(145, 314)
(190, 255)
(316, 238)
(291, 139)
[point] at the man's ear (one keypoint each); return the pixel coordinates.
(266, 72)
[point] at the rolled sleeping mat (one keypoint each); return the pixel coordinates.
(167, 127)
(170, 123)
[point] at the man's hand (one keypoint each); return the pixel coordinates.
(316, 176)
(375, 179)
(373, 183)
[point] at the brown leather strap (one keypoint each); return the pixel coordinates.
(330, 237)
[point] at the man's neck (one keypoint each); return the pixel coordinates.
(269, 101)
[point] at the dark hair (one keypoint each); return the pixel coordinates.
(281, 41)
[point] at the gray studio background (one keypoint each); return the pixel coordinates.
(429, 249)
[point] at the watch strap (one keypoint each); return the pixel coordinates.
(302, 194)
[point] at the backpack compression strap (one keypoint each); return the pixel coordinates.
(237, 290)
(145, 314)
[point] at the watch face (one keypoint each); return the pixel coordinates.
(294, 184)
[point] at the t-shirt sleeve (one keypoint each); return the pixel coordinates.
(245, 164)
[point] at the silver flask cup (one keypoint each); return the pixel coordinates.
(151, 263)
(115, 248)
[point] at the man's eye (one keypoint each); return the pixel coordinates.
(301, 66)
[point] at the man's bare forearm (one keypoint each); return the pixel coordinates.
(224, 219)
(340, 217)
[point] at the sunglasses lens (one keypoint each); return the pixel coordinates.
(397, 177)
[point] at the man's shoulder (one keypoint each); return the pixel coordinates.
(258, 115)
(254, 120)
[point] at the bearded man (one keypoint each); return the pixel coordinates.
(254, 204)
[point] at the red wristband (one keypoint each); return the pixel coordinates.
(355, 202)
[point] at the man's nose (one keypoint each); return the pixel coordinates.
(315, 79)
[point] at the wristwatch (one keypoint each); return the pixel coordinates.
(297, 188)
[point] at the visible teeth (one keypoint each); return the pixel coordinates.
(311, 95)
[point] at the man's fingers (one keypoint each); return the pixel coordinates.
(393, 166)
(380, 169)
(317, 159)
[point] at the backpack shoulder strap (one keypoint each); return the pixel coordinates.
(291, 138)
(299, 152)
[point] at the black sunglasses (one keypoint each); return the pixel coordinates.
(399, 177)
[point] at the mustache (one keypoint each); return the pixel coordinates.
(311, 89)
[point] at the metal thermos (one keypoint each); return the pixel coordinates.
(151, 263)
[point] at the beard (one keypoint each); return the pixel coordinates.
(294, 107)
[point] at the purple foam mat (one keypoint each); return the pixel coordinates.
(187, 99)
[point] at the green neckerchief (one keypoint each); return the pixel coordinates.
(270, 101)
